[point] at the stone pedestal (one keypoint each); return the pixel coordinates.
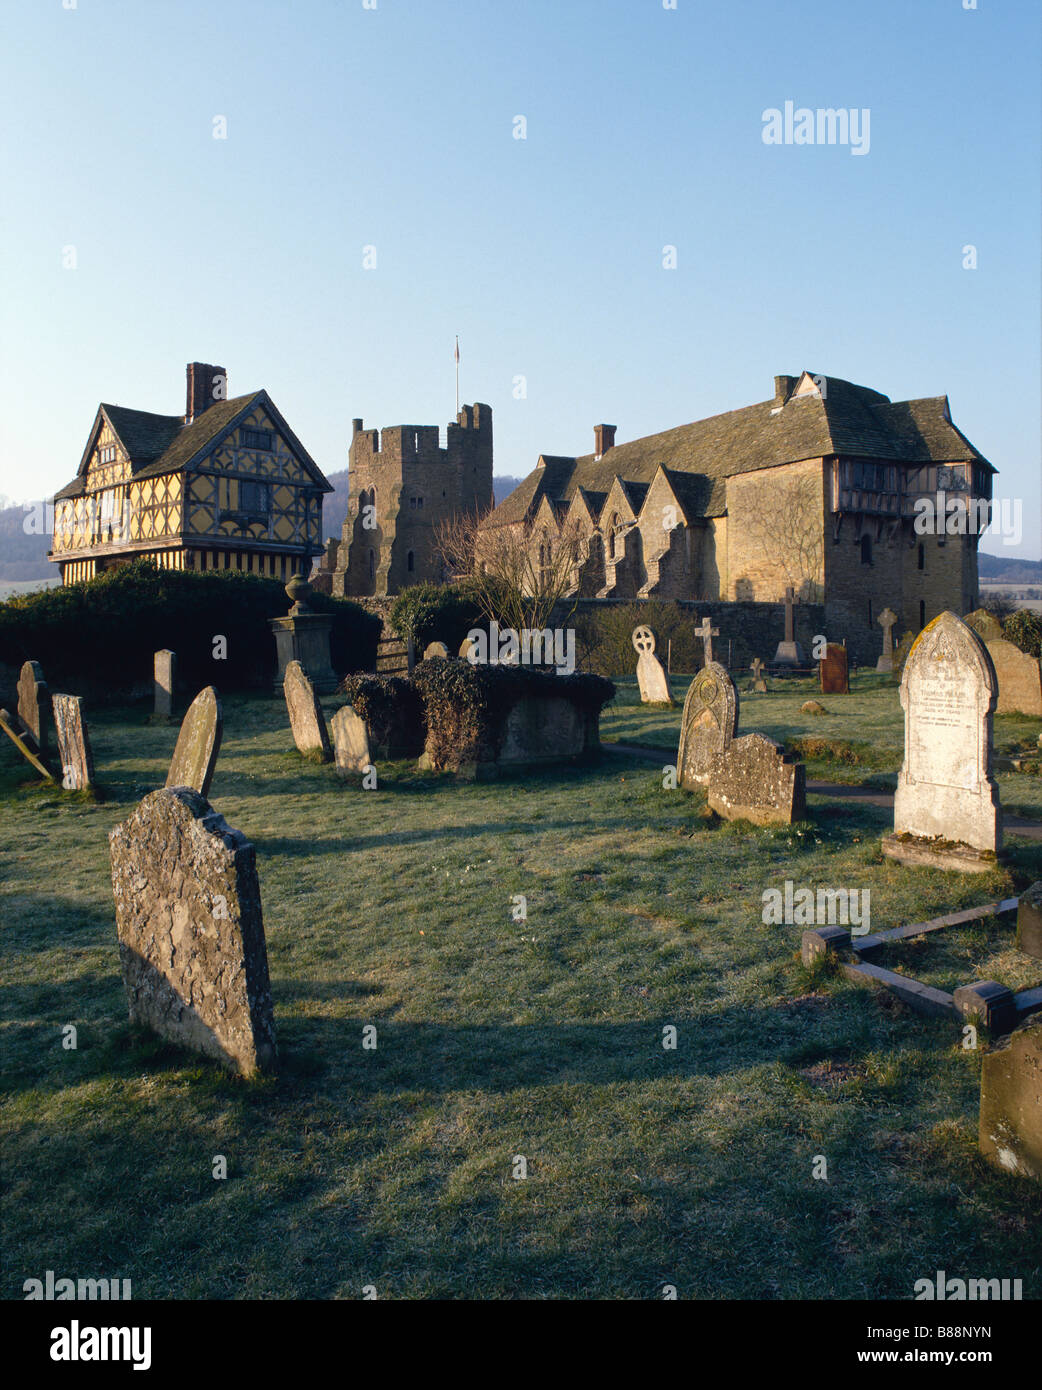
(304, 636)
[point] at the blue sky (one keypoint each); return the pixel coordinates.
(393, 128)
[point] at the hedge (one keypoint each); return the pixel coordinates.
(436, 613)
(105, 631)
(604, 636)
(1024, 629)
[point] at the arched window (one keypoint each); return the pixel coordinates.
(866, 550)
(613, 537)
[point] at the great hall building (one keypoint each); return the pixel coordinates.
(814, 488)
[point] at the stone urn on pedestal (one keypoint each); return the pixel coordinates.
(304, 636)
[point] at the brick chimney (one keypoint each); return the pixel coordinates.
(783, 388)
(603, 439)
(206, 384)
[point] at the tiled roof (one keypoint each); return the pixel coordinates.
(848, 420)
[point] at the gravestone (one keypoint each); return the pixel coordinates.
(1019, 676)
(198, 743)
(191, 934)
(900, 656)
(434, 649)
(708, 724)
(759, 683)
(32, 705)
(1029, 921)
(985, 624)
(789, 652)
(74, 751)
(305, 714)
(652, 679)
(746, 778)
(946, 808)
(832, 670)
(707, 632)
(164, 672)
(350, 741)
(887, 619)
(1010, 1134)
(467, 647)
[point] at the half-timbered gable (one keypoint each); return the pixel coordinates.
(228, 485)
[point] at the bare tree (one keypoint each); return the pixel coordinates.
(784, 518)
(518, 573)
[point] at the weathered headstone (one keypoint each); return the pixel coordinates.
(1029, 921)
(74, 751)
(466, 647)
(7, 724)
(900, 656)
(32, 705)
(1019, 676)
(789, 652)
(746, 778)
(164, 670)
(1011, 1102)
(305, 714)
(833, 670)
(886, 621)
(706, 632)
(652, 679)
(434, 649)
(946, 808)
(198, 743)
(985, 624)
(759, 683)
(350, 741)
(191, 934)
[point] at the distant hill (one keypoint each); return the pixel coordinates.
(1009, 569)
(23, 556)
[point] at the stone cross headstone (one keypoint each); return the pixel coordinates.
(708, 724)
(74, 751)
(305, 714)
(706, 632)
(759, 683)
(946, 808)
(652, 679)
(789, 652)
(832, 670)
(350, 741)
(198, 743)
(886, 621)
(191, 934)
(164, 670)
(32, 705)
(435, 649)
(1010, 1134)
(747, 778)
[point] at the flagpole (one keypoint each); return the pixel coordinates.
(457, 373)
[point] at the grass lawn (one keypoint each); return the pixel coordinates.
(498, 1038)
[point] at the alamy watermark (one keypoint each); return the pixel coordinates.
(539, 646)
(799, 125)
(807, 907)
(945, 515)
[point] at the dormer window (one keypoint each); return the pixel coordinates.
(257, 439)
(107, 454)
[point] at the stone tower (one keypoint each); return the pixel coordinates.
(402, 485)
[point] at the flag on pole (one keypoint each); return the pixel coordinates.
(457, 349)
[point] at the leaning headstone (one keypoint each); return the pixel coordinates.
(1029, 921)
(887, 620)
(1010, 1133)
(708, 724)
(946, 808)
(833, 670)
(77, 761)
(350, 741)
(434, 649)
(7, 724)
(748, 778)
(191, 934)
(198, 743)
(32, 705)
(789, 652)
(759, 684)
(164, 670)
(1019, 676)
(652, 679)
(305, 714)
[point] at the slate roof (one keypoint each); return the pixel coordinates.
(161, 444)
(849, 420)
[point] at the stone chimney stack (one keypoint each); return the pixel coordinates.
(783, 388)
(206, 384)
(603, 439)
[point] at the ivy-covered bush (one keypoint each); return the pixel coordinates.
(436, 613)
(104, 632)
(1024, 629)
(392, 709)
(467, 705)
